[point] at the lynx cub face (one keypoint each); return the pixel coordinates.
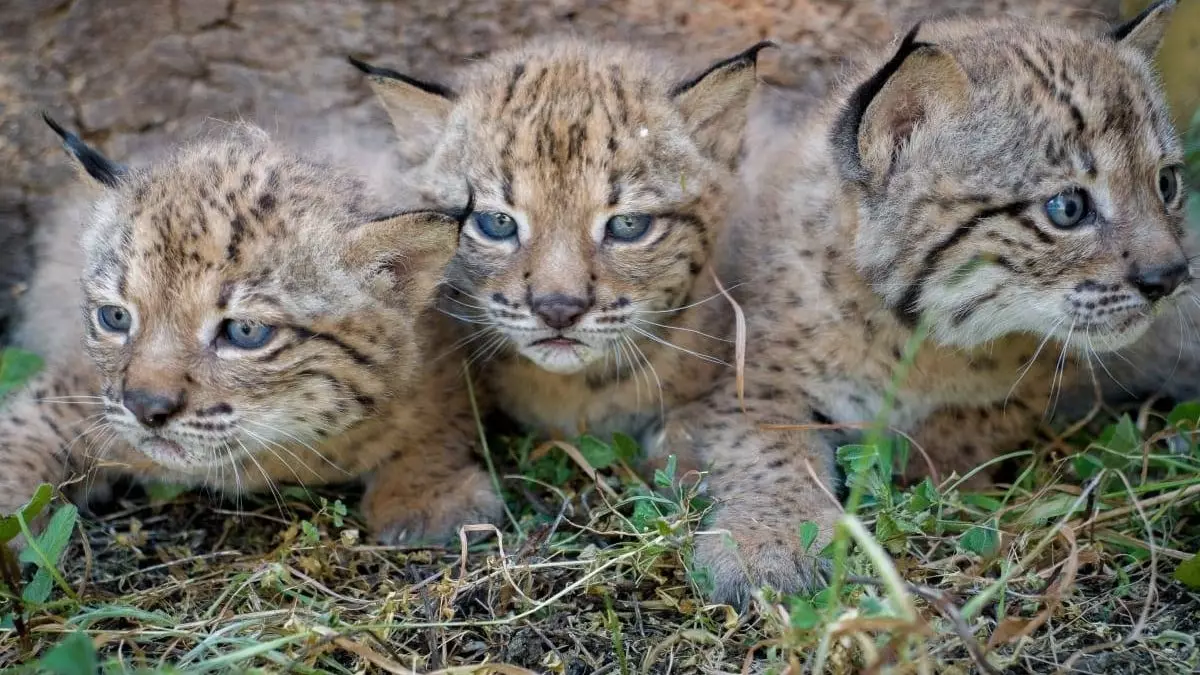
(238, 302)
(1080, 242)
(600, 188)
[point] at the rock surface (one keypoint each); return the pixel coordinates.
(133, 75)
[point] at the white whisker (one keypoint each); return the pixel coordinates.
(299, 441)
(662, 403)
(1033, 359)
(694, 304)
(688, 330)
(655, 338)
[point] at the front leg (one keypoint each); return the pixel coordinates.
(960, 440)
(431, 485)
(765, 486)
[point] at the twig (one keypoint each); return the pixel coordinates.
(1181, 493)
(739, 340)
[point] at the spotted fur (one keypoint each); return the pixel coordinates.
(917, 200)
(235, 229)
(583, 330)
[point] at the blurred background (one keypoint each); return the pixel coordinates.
(133, 75)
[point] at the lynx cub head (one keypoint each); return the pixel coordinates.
(601, 188)
(1008, 179)
(238, 301)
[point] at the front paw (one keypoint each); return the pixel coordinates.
(753, 555)
(433, 514)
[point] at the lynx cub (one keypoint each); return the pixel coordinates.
(603, 186)
(247, 322)
(1014, 187)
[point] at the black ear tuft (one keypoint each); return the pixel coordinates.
(1145, 32)
(389, 74)
(844, 134)
(105, 171)
(1124, 30)
(745, 59)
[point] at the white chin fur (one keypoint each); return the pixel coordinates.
(563, 361)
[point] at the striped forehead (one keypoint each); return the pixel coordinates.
(181, 233)
(575, 128)
(1092, 94)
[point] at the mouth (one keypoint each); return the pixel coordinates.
(173, 455)
(557, 342)
(164, 451)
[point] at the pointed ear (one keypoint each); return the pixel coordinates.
(714, 103)
(418, 109)
(1145, 31)
(882, 113)
(97, 167)
(404, 255)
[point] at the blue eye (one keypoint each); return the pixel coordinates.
(628, 227)
(1068, 209)
(247, 334)
(114, 318)
(1168, 184)
(495, 225)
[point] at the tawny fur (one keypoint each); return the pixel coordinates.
(930, 210)
(238, 228)
(562, 136)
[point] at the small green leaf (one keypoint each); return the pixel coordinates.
(54, 539)
(808, 534)
(75, 655)
(924, 495)
(164, 492)
(339, 513)
(1087, 465)
(1185, 416)
(803, 615)
(10, 527)
(888, 532)
(598, 454)
(626, 448)
(644, 514)
(38, 590)
(981, 539)
(857, 457)
(1122, 437)
(311, 534)
(665, 478)
(16, 367)
(1188, 572)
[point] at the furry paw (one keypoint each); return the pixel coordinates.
(760, 556)
(434, 515)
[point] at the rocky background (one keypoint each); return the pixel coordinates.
(132, 75)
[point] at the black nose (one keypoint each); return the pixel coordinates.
(153, 408)
(1160, 281)
(559, 311)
